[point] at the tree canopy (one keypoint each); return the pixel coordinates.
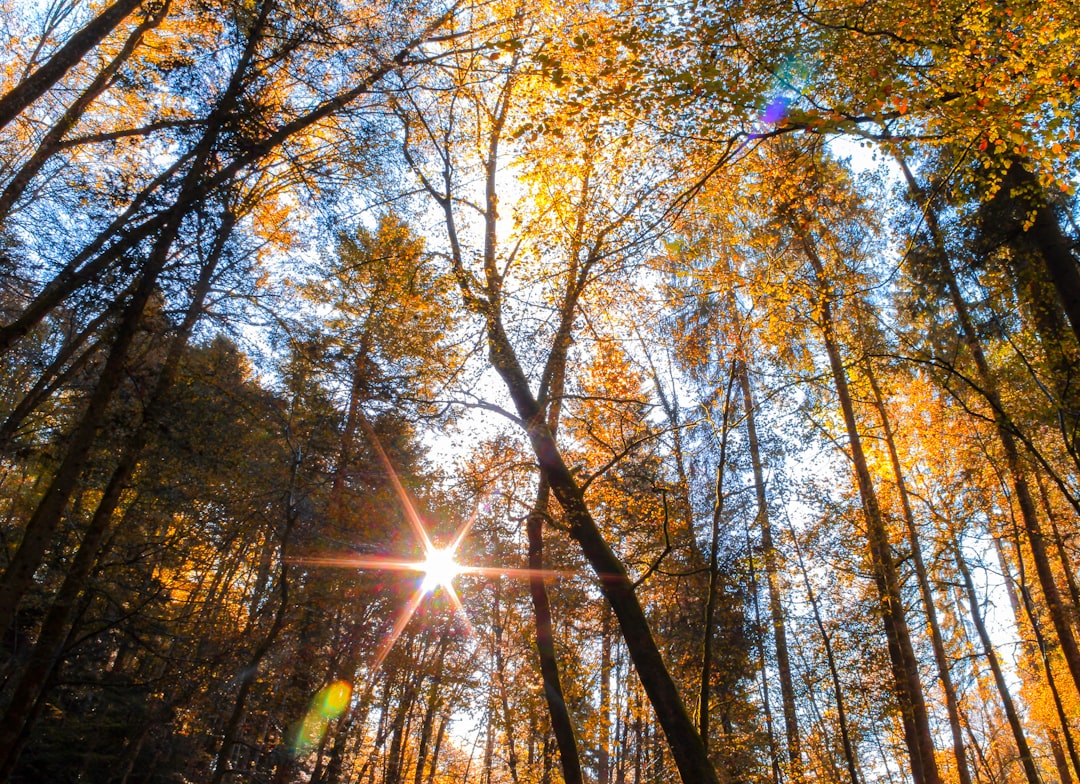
(519, 393)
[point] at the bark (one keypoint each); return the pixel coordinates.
(1059, 547)
(995, 668)
(768, 548)
(901, 654)
(940, 656)
(63, 60)
(691, 757)
(58, 621)
(562, 724)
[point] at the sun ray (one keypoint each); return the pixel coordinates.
(372, 562)
(459, 608)
(399, 626)
(406, 502)
(463, 531)
(439, 566)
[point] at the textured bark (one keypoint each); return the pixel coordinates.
(64, 59)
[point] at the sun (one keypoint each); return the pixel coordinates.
(439, 569)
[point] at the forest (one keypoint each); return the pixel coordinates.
(503, 392)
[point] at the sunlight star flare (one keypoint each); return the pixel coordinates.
(439, 569)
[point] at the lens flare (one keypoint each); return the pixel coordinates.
(328, 704)
(440, 569)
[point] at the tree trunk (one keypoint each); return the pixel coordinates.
(603, 757)
(58, 620)
(1028, 196)
(1005, 429)
(689, 752)
(36, 84)
(834, 675)
(50, 143)
(905, 667)
(39, 529)
(995, 668)
(433, 700)
(714, 576)
(938, 644)
(776, 609)
(504, 702)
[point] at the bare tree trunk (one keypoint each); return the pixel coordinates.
(995, 668)
(714, 576)
(938, 644)
(768, 548)
(905, 667)
(16, 100)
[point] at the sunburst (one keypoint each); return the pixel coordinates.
(439, 566)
